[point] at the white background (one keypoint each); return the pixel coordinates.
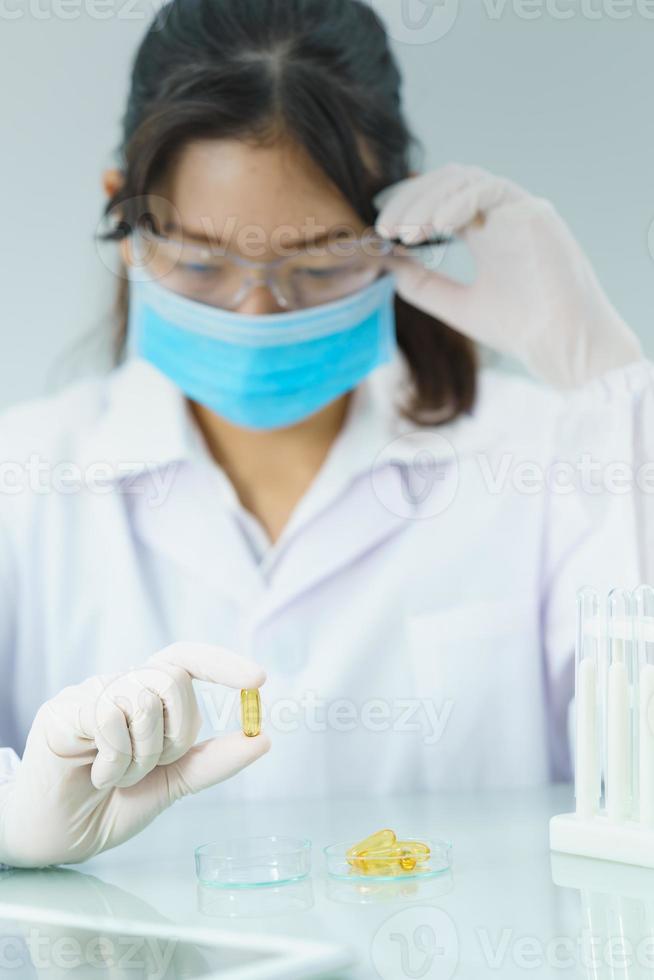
(554, 94)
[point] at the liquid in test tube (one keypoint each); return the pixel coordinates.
(644, 638)
(619, 776)
(587, 772)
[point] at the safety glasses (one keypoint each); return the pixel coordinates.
(307, 277)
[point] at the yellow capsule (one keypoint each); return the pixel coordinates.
(413, 853)
(380, 840)
(251, 712)
(381, 868)
(383, 854)
(383, 862)
(401, 857)
(407, 860)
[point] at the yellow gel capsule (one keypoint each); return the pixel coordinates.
(401, 857)
(392, 859)
(251, 712)
(407, 860)
(380, 840)
(413, 853)
(385, 868)
(384, 862)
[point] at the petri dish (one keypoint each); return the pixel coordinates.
(249, 862)
(398, 891)
(387, 869)
(244, 903)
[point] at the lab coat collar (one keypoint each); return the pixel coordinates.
(148, 424)
(371, 462)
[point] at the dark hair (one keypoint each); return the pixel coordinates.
(318, 71)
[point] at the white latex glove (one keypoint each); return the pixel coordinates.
(535, 295)
(105, 757)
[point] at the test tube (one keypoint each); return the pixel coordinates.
(587, 767)
(619, 774)
(644, 639)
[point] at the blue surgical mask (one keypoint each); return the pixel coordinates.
(263, 372)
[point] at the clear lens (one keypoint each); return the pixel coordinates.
(313, 286)
(194, 272)
(218, 279)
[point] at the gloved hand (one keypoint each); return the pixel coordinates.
(535, 295)
(105, 757)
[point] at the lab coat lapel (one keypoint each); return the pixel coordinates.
(356, 502)
(343, 533)
(146, 428)
(199, 530)
(368, 490)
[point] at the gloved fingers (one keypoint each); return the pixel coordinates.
(137, 721)
(146, 729)
(392, 192)
(181, 716)
(212, 761)
(65, 723)
(448, 202)
(436, 294)
(453, 212)
(395, 199)
(113, 743)
(206, 662)
(141, 698)
(470, 202)
(412, 203)
(182, 719)
(407, 214)
(162, 713)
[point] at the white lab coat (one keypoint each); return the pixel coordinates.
(416, 617)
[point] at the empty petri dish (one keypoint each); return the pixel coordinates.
(238, 902)
(380, 868)
(248, 862)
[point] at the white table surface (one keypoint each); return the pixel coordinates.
(493, 914)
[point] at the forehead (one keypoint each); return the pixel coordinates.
(230, 184)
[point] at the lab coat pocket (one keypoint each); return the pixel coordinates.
(477, 667)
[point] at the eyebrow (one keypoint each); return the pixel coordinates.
(203, 239)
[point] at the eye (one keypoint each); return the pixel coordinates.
(322, 273)
(198, 269)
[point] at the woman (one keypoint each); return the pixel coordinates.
(297, 468)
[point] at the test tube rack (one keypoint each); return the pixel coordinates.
(614, 730)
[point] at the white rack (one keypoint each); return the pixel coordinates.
(614, 730)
